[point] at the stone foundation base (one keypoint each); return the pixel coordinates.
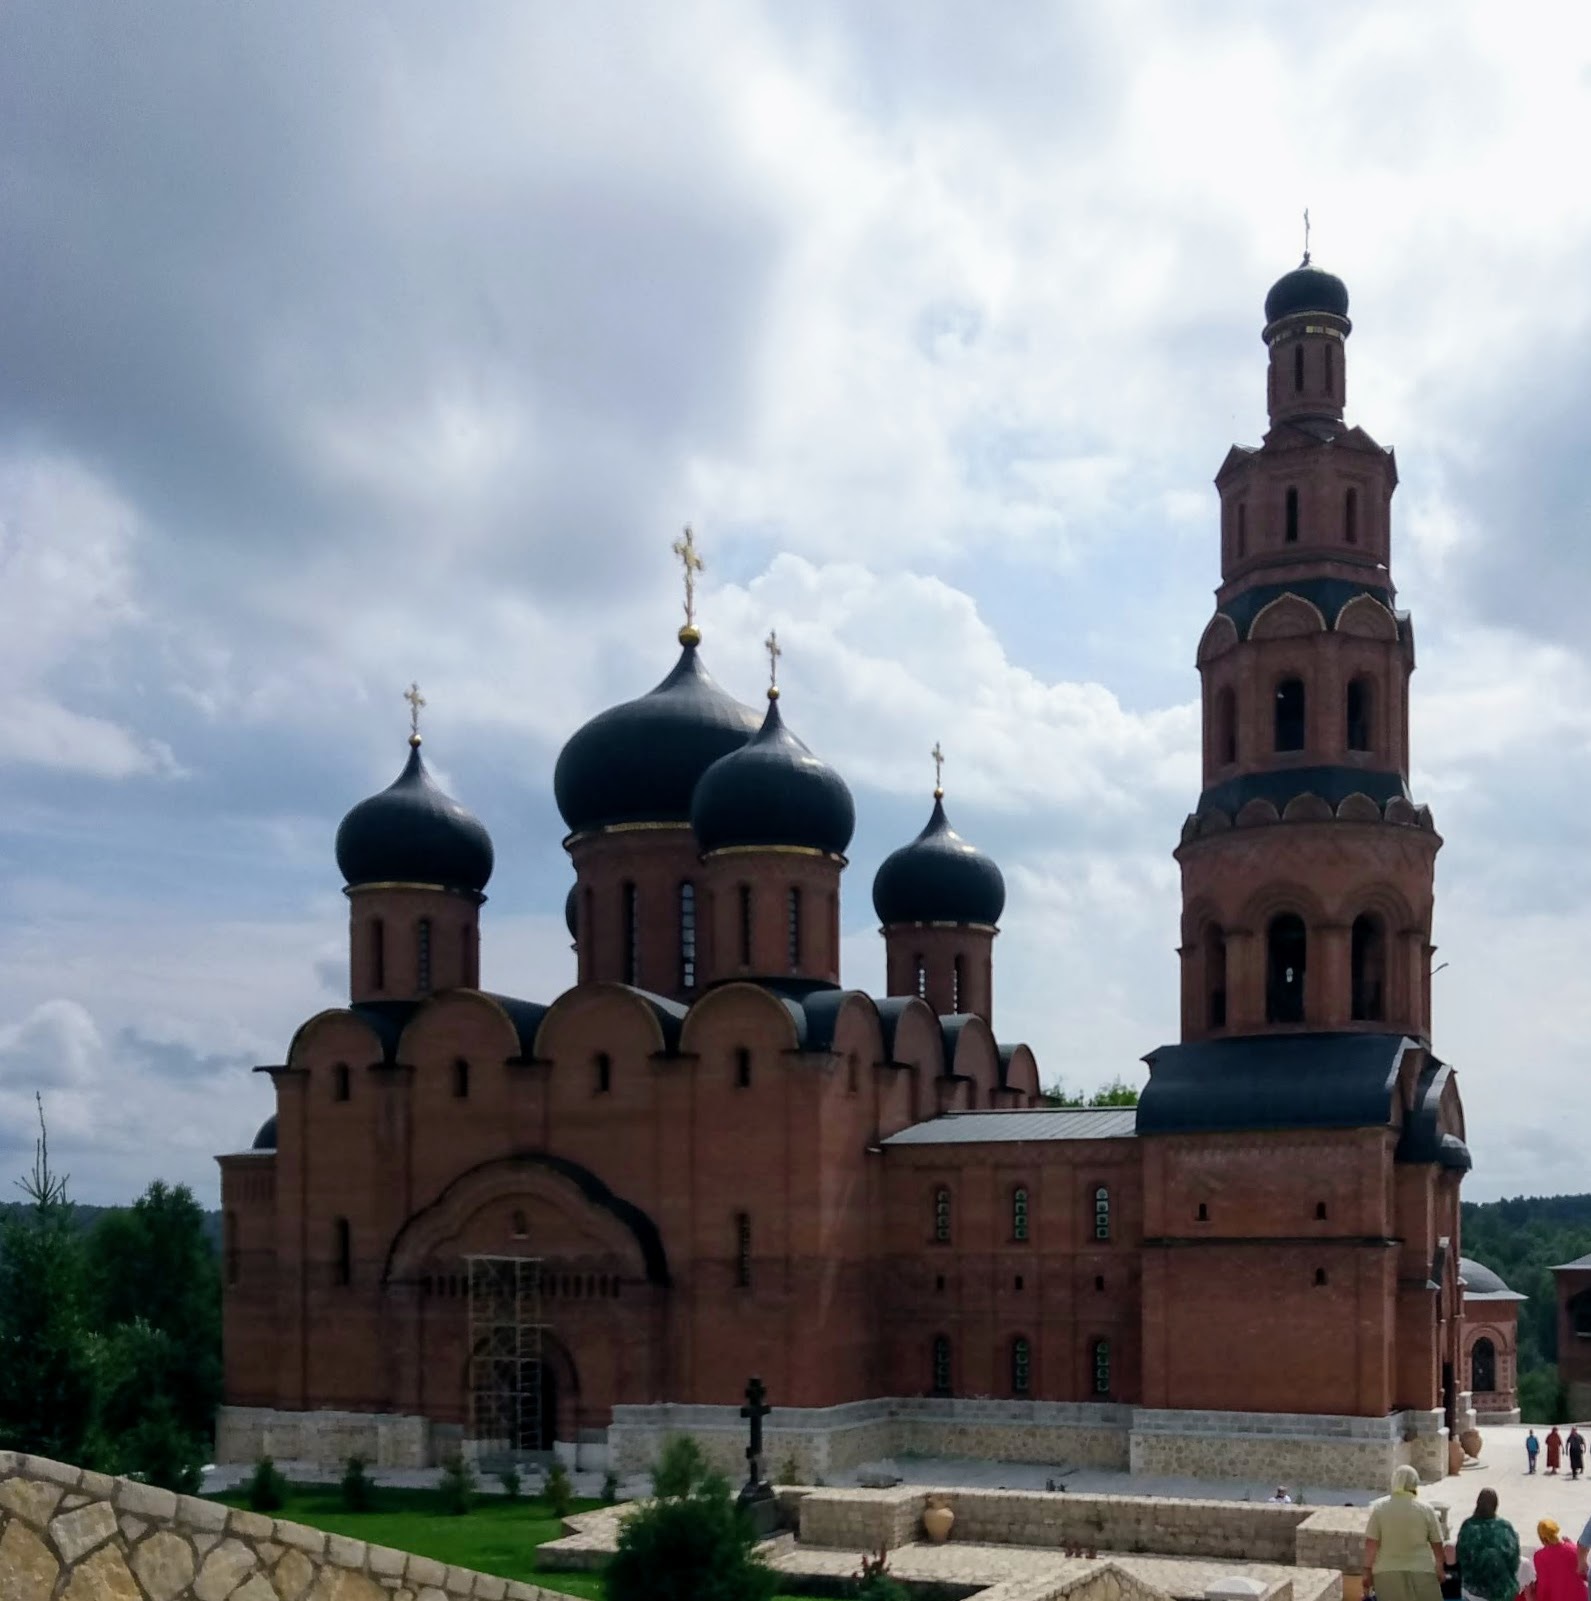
(383, 1439)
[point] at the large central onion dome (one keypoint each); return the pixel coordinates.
(772, 792)
(1306, 288)
(412, 833)
(640, 762)
(938, 878)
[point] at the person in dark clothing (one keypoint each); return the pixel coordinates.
(1576, 1446)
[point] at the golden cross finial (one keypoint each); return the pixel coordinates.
(939, 771)
(685, 548)
(771, 645)
(1305, 261)
(416, 700)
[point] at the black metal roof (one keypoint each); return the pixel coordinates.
(1279, 786)
(414, 833)
(1274, 1081)
(265, 1140)
(1327, 595)
(639, 762)
(938, 878)
(773, 791)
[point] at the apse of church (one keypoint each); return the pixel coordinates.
(523, 1226)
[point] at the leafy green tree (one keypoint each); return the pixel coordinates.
(47, 1378)
(1116, 1093)
(138, 1429)
(692, 1543)
(153, 1263)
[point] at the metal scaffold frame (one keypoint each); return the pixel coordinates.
(506, 1357)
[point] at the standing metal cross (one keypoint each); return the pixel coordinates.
(685, 548)
(771, 645)
(1306, 236)
(755, 1410)
(416, 700)
(939, 771)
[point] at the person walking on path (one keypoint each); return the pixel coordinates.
(1554, 1448)
(1576, 1445)
(1403, 1545)
(1532, 1446)
(1488, 1553)
(1557, 1565)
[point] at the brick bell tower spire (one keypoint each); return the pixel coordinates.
(1306, 866)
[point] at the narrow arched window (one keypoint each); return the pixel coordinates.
(1019, 1213)
(1203, 1213)
(742, 1250)
(520, 1225)
(1298, 369)
(341, 1086)
(921, 968)
(632, 935)
(1483, 1367)
(1358, 704)
(1320, 1211)
(1242, 528)
(342, 1245)
(1021, 1365)
(792, 920)
(461, 1079)
(1101, 1354)
(604, 1072)
(378, 954)
(1290, 714)
(1101, 1213)
(687, 936)
(422, 956)
(742, 1068)
(955, 985)
(1350, 516)
(942, 1216)
(232, 1256)
(1292, 516)
(1215, 976)
(1225, 726)
(1320, 1277)
(1367, 950)
(941, 1364)
(1286, 947)
(745, 925)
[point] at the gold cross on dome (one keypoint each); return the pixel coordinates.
(685, 548)
(771, 645)
(939, 770)
(416, 700)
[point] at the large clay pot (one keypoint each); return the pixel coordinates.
(1455, 1457)
(937, 1521)
(1470, 1439)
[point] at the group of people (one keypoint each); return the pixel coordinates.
(1556, 1445)
(1406, 1557)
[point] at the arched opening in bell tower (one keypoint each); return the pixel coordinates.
(1215, 976)
(1368, 962)
(1290, 714)
(1360, 700)
(1225, 727)
(1286, 947)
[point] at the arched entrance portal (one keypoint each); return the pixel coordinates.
(520, 1378)
(1483, 1366)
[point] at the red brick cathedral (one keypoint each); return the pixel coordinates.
(580, 1224)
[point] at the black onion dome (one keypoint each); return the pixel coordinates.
(411, 833)
(571, 910)
(1307, 288)
(773, 791)
(938, 878)
(265, 1140)
(639, 762)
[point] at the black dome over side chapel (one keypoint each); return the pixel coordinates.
(773, 791)
(639, 762)
(938, 878)
(413, 833)
(265, 1140)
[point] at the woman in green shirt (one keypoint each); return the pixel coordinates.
(1488, 1553)
(1403, 1544)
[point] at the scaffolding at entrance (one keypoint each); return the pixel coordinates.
(508, 1383)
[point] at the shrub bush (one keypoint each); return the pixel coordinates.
(695, 1545)
(558, 1491)
(266, 1489)
(873, 1582)
(359, 1494)
(680, 1467)
(510, 1481)
(610, 1488)
(457, 1489)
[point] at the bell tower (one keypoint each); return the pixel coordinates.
(1306, 865)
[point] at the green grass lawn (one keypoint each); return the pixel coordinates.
(497, 1536)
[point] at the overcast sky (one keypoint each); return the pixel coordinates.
(346, 345)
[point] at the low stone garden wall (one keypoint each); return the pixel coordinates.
(71, 1535)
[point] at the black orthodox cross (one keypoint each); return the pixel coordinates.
(754, 1411)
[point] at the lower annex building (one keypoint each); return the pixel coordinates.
(581, 1224)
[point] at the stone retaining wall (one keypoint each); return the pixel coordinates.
(71, 1535)
(383, 1439)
